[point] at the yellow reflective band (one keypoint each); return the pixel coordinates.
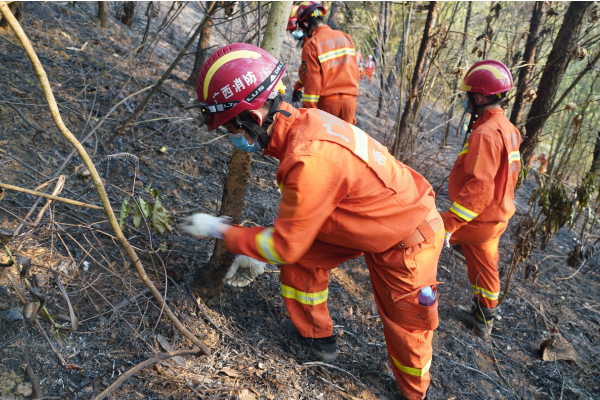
(464, 150)
(361, 142)
(514, 156)
(447, 235)
(266, 247)
(479, 317)
(344, 51)
(226, 58)
(300, 81)
(310, 98)
(495, 71)
(485, 293)
(412, 371)
(463, 212)
(312, 299)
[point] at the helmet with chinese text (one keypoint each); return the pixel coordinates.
(236, 78)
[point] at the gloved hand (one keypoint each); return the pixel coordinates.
(296, 96)
(447, 239)
(243, 270)
(205, 225)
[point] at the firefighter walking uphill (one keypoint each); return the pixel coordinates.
(329, 70)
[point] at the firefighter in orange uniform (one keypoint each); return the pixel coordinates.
(343, 195)
(329, 69)
(543, 163)
(370, 69)
(481, 187)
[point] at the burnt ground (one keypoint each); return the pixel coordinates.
(120, 325)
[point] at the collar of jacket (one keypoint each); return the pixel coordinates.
(281, 126)
(321, 29)
(488, 114)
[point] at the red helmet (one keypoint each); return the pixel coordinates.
(309, 9)
(235, 78)
(487, 77)
(292, 22)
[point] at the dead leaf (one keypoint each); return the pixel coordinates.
(168, 348)
(70, 367)
(558, 348)
(230, 372)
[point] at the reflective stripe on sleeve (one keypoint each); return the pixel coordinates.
(514, 156)
(410, 370)
(464, 150)
(485, 293)
(300, 81)
(463, 212)
(361, 142)
(447, 235)
(310, 98)
(312, 299)
(345, 51)
(266, 247)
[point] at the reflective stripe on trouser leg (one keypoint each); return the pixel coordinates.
(482, 267)
(304, 287)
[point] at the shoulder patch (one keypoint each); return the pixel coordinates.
(303, 67)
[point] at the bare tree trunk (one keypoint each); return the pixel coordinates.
(382, 55)
(418, 72)
(380, 29)
(128, 13)
(333, 13)
(209, 281)
(458, 76)
(553, 72)
(16, 8)
(393, 75)
(596, 156)
(528, 61)
(201, 51)
(102, 13)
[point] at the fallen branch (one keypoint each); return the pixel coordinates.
(143, 365)
(39, 70)
(35, 384)
(49, 196)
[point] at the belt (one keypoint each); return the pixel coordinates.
(337, 96)
(425, 231)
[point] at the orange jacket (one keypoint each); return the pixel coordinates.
(328, 65)
(300, 82)
(339, 186)
(370, 66)
(482, 181)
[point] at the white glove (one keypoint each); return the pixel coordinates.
(243, 270)
(447, 239)
(205, 225)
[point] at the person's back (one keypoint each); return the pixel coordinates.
(329, 66)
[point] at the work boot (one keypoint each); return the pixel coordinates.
(323, 349)
(478, 317)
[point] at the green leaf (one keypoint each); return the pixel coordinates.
(145, 207)
(137, 216)
(160, 218)
(125, 209)
(162, 149)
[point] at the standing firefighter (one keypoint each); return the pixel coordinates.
(343, 195)
(481, 187)
(369, 69)
(329, 70)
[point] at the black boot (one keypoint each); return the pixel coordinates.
(323, 349)
(478, 317)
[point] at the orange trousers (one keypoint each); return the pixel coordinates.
(480, 247)
(343, 107)
(397, 276)
(370, 74)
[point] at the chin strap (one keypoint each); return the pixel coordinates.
(260, 131)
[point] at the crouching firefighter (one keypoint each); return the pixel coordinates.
(343, 195)
(482, 187)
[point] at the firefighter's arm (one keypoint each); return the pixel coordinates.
(482, 160)
(312, 188)
(300, 82)
(312, 76)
